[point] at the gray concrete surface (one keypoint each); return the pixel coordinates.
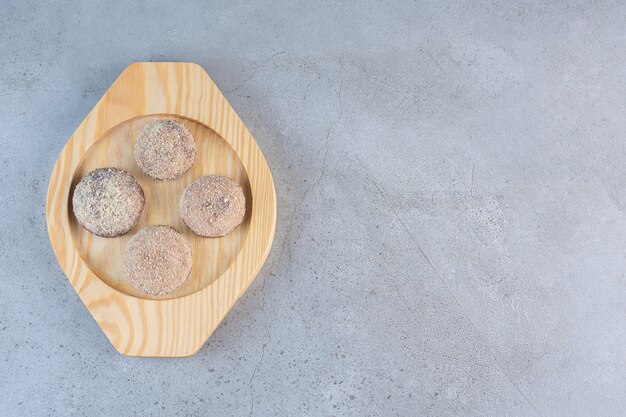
(451, 181)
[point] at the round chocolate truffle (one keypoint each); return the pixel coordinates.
(108, 202)
(157, 260)
(213, 206)
(165, 149)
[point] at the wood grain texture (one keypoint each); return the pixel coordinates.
(180, 323)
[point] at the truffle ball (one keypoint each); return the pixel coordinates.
(108, 202)
(157, 260)
(165, 149)
(213, 206)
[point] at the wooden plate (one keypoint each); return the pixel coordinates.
(178, 324)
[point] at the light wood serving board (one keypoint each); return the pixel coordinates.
(178, 324)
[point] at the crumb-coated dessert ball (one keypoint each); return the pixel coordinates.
(165, 149)
(157, 260)
(108, 202)
(213, 206)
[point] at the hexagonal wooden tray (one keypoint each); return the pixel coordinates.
(178, 324)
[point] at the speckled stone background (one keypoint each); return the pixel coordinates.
(451, 183)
